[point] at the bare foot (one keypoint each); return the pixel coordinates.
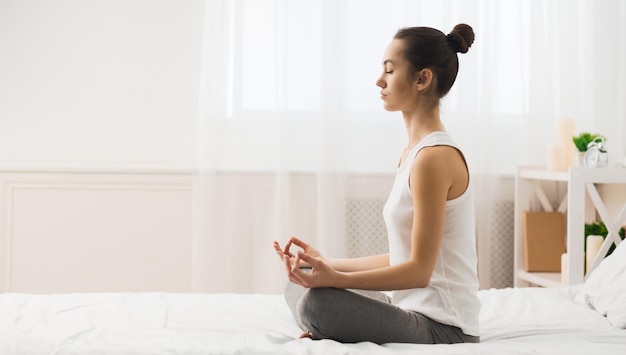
(306, 335)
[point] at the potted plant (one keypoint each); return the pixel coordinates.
(581, 142)
(599, 228)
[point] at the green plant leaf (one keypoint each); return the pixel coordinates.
(583, 139)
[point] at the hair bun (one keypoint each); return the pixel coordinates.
(461, 38)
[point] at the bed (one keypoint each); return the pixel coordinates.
(582, 319)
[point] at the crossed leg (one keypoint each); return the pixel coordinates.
(352, 316)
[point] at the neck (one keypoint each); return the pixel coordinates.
(421, 122)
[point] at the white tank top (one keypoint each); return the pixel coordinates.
(451, 296)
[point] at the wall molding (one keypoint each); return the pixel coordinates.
(14, 182)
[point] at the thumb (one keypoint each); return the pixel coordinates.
(313, 261)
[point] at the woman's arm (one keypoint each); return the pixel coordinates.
(342, 265)
(435, 172)
(360, 264)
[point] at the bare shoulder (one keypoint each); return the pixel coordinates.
(439, 157)
(442, 166)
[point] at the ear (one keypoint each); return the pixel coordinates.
(424, 80)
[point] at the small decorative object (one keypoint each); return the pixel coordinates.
(594, 242)
(599, 228)
(596, 155)
(582, 140)
(544, 240)
(566, 128)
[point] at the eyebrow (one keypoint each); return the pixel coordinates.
(387, 61)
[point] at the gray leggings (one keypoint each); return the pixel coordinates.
(352, 316)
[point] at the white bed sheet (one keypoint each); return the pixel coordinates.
(513, 321)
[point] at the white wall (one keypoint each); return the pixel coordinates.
(98, 102)
(95, 232)
(99, 83)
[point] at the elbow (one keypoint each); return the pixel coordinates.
(421, 282)
(420, 276)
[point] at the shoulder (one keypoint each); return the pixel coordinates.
(433, 164)
(437, 157)
(438, 151)
(439, 165)
(441, 168)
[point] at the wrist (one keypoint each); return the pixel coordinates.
(341, 280)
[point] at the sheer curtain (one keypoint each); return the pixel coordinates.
(290, 124)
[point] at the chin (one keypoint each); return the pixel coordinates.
(389, 108)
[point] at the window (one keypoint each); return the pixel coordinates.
(302, 75)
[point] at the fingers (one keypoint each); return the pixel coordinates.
(293, 268)
(296, 264)
(286, 249)
(298, 242)
(294, 273)
(277, 247)
(293, 241)
(278, 250)
(308, 259)
(304, 278)
(283, 251)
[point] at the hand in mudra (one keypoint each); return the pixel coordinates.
(320, 275)
(286, 251)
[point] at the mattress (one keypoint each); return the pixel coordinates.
(513, 321)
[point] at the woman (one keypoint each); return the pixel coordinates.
(431, 264)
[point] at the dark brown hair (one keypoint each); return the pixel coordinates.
(426, 47)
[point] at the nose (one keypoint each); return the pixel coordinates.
(381, 83)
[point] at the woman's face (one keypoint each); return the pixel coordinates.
(397, 90)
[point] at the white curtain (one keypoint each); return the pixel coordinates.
(290, 124)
